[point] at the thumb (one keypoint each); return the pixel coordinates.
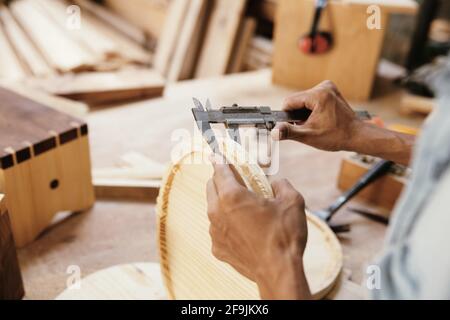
(287, 131)
(283, 190)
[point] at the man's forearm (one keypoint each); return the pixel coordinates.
(379, 142)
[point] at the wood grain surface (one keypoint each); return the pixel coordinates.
(96, 88)
(137, 281)
(170, 34)
(26, 123)
(222, 31)
(189, 268)
(190, 38)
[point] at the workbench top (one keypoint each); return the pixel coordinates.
(115, 232)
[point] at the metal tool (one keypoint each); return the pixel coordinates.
(378, 170)
(370, 215)
(316, 42)
(235, 116)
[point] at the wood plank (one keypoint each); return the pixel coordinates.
(245, 35)
(23, 45)
(130, 51)
(58, 48)
(220, 38)
(149, 15)
(127, 189)
(412, 103)
(96, 88)
(11, 285)
(170, 35)
(10, 66)
(118, 23)
(87, 36)
(257, 59)
(133, 166)
(185, 56)
(259, 54)
(263, 45)
(70, 107)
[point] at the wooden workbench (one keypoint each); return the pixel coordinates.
(123, 232)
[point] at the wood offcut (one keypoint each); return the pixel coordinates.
(190, 271)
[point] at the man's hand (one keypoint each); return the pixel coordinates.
(263, 239)
(333, 126)
(331, 123)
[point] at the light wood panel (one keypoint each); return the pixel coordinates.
(10, 66)
(149, 15)
(114, 21)
(96, 88)
(220, 38)
(189, 269)
(170, 34)
(87, 36)
(137, 281)
(241, 46)
(61, 52)
(351, 63)
(23, 46)
(127, 48)
(186, 51)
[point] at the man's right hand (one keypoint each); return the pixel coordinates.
(331, 124)
(334, 126)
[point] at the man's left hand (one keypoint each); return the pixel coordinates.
(263, 239)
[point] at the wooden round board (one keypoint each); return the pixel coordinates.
(139, 281)
(190, 271)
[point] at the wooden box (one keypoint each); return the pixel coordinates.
(44, 164)
(11, 285)
(352, 61)
(383, 193)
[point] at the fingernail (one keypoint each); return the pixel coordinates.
(276, 134)
(216, 159)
